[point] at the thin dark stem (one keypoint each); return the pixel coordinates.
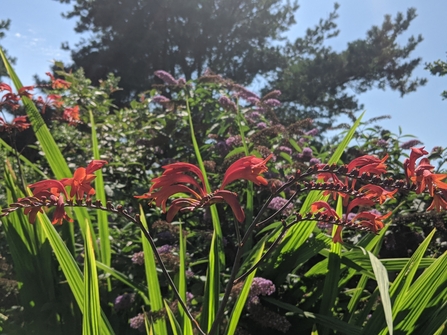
(236, 265)
(285, 227)
(137, 221)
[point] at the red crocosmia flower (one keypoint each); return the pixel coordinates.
(371, 220)
(175, 174)
(220, 196)
(181, 204)
(363, 201)
(71, 114)
(231, 199)
(59, 214)
(32, 212)
(58, 83)
(438, 203)
(82, 177)
(165, 192)
(20, 123)
(424, 178)
(10, 99)
(330, 177)
(337, 235)
(54, 187)
(249, 168)
(317, 205)
(175, 180)
(52, 100)
(369, 164)
(95, 165)
(410, 163)
(5, 87)
(23, 91)
(377, 192)
(49, 189)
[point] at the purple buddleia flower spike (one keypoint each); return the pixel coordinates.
(252, 100)
(272, 102)
(244, 93)
(227, 104)
(166, 77)
(271, 95)
(261, 125)
(409, 144)
(285, 149)
(312, 132)
(159, 99)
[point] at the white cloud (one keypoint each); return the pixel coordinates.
(18, 35)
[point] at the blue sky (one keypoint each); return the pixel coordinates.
(38, 29)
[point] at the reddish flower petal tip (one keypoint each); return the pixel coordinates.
(248, 168)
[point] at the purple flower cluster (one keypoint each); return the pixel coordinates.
(314, 161)
(137, 322)
(312, 132)
(227, 104)
(260, 286)
(382, 143)
(261, 125)
(409, 144)
(244, 93)
(277, 203)
(165, 249)
(159, 99)
(233, 141)
(166, 77)
(189, 296)
(307, 153)
(272, 102)
(138, 258)
(272, 95)
(124, 301)
(253, 100)
(285, 149)
(254, 115)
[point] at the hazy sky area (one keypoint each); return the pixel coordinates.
(38, 29)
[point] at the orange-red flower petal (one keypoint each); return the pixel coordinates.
(248, 168)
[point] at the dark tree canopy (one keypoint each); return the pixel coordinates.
(242, 39)
(438, 68)
(4, 25)
(133, 38)
(320, 82)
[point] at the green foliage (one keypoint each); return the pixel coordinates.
(204, 269)
(438, 68)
